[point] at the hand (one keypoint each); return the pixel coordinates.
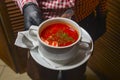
(68, 14)
(32, 15)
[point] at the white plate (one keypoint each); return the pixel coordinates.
(81, 58)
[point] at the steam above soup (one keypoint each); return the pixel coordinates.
(59, 34)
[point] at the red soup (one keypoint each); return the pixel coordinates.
(59, 34)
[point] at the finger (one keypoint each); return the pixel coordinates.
(36, 19)
(68, 13)
(27, 23)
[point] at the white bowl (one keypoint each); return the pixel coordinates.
(62, 54)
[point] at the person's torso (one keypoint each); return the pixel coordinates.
(55, 8)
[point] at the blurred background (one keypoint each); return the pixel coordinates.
(105, 62)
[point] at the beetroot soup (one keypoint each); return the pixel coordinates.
(59, 34)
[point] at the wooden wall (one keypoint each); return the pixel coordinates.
(11, 21)
(106, 57)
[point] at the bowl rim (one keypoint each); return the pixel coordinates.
(60, 47)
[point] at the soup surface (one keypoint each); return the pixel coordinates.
(59, 34)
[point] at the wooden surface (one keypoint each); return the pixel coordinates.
(106, 57)
(4, 49)
(12, 22)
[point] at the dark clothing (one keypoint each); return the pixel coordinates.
(38, 72)
(93, 26)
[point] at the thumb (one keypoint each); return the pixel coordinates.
(68, 14)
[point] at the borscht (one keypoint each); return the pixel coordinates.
(59, 34)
